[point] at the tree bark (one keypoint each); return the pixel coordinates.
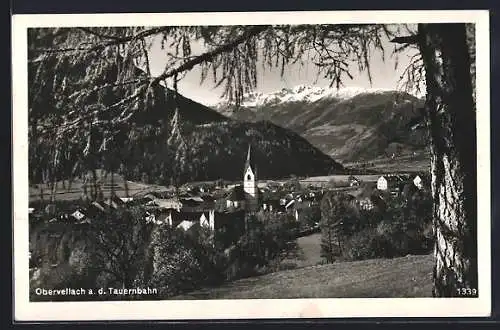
(451, 119)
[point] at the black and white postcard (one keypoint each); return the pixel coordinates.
(251, 165)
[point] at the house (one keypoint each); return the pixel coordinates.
(422, 180)
(204, 219)
(299, 208)
(170, 203)
(50, 209)
(152, 195)
(236, 198)
(186, 225)
(272, 205)
(207, 220)
(228, 227)
(353, 181)
(126, 199)
(366, 204)
(98, 207)
(290, 204)
(95, 211)
(79, 216)
(114, 202)
(150, 217)
(390, 182)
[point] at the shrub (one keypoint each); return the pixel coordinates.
(366, 244)
(339, 220)
(333, 183)
(170, 265)
(309, 217)
(59, 277)
(389, 240)
(178, 272)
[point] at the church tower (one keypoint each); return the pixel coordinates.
(250, 183)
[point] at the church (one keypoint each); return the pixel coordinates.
(248, 195)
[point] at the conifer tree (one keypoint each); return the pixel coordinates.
(71, 68)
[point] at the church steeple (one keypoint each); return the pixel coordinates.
(250, 182)
(248, 161)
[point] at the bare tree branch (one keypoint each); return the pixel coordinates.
(211, 54)
(412, 39)
(116, 41)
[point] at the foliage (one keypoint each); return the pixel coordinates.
(334, 183)
(338, 221)
(119, 240)
(172, 264)
(366, 244)
(60, 276)
(292, 185)
(403, 228)
(266, 240)
(309, 217)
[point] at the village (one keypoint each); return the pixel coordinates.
(218, 206)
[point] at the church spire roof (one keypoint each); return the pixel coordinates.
(248, 155)
(248, 162)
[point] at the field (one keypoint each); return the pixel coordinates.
(409, 276)
(124, 188)
(308, 254)
(322, 180)
(74, 190)
(407, 163)
(403, 277)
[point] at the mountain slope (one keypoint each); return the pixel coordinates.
(218, 150)
(276, 151)
(191, 111)
(349, 124)
(140, 150)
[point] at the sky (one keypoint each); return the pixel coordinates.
(384, 75)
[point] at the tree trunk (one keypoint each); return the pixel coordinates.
(95, 192)
(451, 120)
(112, 184)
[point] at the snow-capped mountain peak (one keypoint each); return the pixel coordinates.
(304, 93)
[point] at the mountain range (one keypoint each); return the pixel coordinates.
(348, 124)
(302, 131)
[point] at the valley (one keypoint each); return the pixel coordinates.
(349, 124)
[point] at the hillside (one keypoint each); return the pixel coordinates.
(403, 277)
(349, 124)
(218, 150)
(214, 145)
(190, 111)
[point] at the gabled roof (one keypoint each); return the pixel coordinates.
(236, 194)
(95, 209)
(392, 178)
(196, 199)
(302, 205)
(186, 225)
(423, 175)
